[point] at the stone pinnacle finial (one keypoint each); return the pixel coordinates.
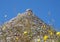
(29, 10)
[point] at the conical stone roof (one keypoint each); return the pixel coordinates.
(26, 27)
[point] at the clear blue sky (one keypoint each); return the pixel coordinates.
(47, 10)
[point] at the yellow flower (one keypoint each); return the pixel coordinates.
(51, 33)
(38, 40)
(58, 33)
(43, 26)
(25, 32)
(45, 37)
(17, 38)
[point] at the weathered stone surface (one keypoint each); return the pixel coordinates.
(26, 27)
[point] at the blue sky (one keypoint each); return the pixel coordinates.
(47, 10)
